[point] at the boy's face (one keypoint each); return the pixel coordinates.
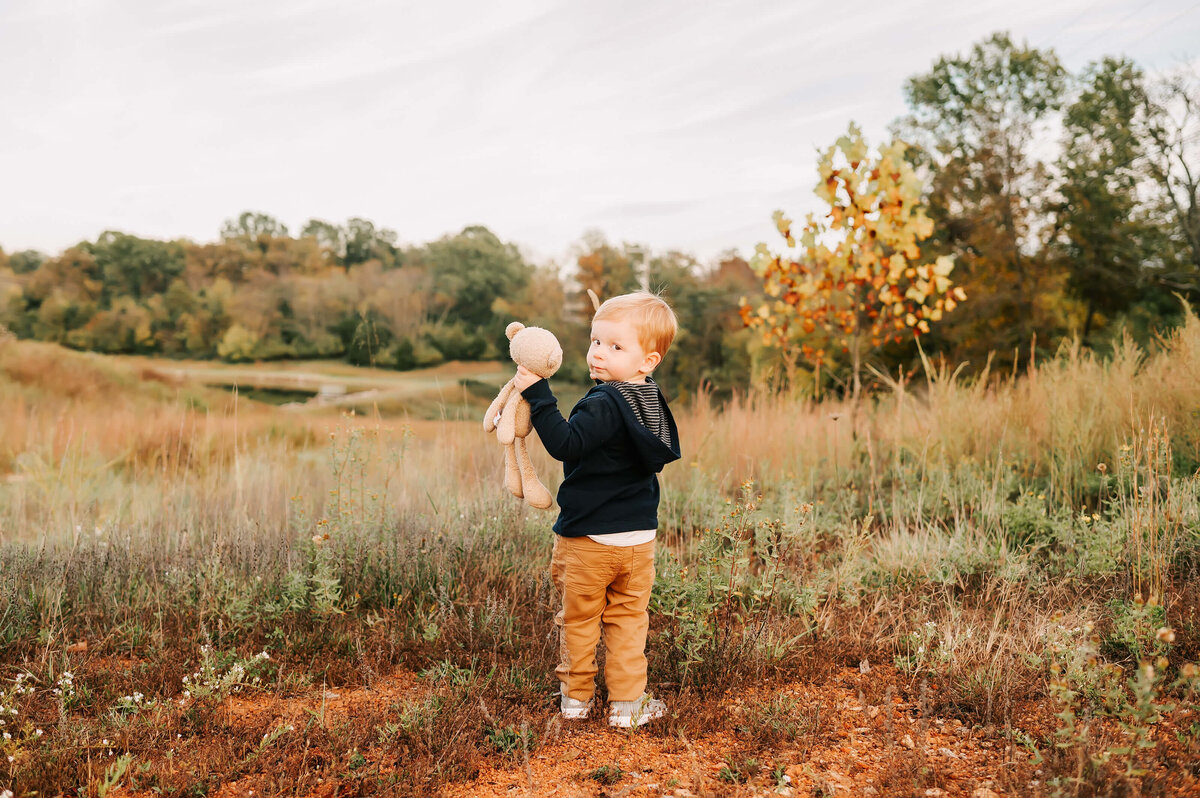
(615, 354)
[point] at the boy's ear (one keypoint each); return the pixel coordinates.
(652, 359)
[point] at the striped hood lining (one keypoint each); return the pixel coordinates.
(646, 402)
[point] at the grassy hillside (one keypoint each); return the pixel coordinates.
(1019, 556)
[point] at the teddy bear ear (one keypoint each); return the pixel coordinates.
(513, 328)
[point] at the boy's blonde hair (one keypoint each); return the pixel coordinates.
(650, 315)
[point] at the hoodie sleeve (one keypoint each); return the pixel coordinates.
(593, 421)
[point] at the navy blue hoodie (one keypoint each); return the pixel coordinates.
(610, 460)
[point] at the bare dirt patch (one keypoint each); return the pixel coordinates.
(869, 736)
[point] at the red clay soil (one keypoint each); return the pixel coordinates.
(855, 755)
(880, 745)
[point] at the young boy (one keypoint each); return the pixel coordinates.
(618, 437)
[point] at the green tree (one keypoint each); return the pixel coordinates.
(710, 348)
(470, 272)
(1108, 233)
(365, 242)
(252, 226)
(329, 236)
(238, 344)
(372, 342)
(136, 267)
(60, 314)
(974, 123)
(358, 241)
(25, 261)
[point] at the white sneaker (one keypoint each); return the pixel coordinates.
(573, 709)
(630, 714)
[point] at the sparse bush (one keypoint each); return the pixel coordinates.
(607, 774)
(739, 769)
(781, 720)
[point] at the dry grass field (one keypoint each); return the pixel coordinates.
(988, 587)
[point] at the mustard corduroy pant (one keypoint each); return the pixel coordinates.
(601, 586)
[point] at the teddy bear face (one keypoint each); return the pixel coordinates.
(537, 350)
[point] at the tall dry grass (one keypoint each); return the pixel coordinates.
(84, 442)
(1057, 423)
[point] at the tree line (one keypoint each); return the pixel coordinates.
(351, 292)
(1069, 203)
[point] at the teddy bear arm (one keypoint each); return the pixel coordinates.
(489, 418)
(506, 430)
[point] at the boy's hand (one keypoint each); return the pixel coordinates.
(524, 378)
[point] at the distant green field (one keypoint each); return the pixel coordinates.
(451, 390)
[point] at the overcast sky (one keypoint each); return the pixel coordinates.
(675, 124)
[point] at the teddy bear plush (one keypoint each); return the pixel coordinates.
(508, 416)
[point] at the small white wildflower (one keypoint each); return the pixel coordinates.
(7, 736)
(39, 732)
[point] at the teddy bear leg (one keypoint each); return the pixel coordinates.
(536, 494)
(522, 421)
(512, 472)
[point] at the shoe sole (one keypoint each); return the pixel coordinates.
(627, 723)
(574, 714)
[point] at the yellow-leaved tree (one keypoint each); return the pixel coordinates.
(854, 277)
